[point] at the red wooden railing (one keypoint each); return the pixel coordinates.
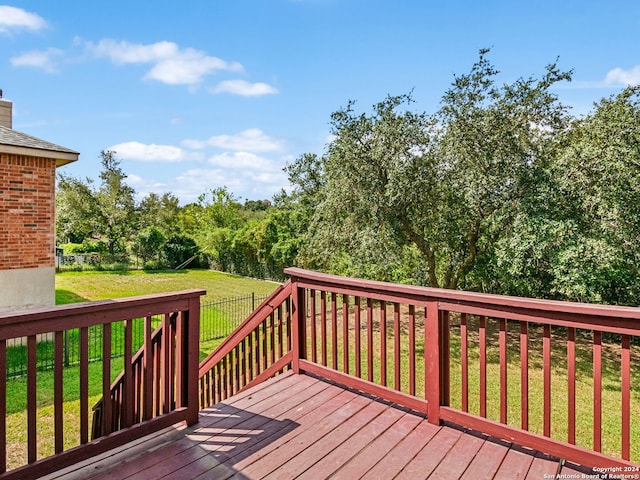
(509, 367)
(258, 349)
(143, 375)
(393, 337)
(159, 385)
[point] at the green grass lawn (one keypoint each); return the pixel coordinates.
(74, 287)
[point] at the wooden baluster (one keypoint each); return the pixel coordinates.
(265, 348)
(345, 333)
(181, 362)
(280, 338)
(312, 313)
(445, 364)
(383, 343)
(412, 350)
(127, 416)
(250, 354)
(334, 332)
(571, 386)
(258, 353)
(323, 326)
(272, 338)
(464, 361)
(58, 394)
(107, 417)
(370, 339)
(148, 371)
(219, 394)
(31, 399)
(157, 373)
(84, 385)
(224, 379)
(597, 391)
(166, 354)
(236, 368)
(288, 304)
(546, 365)
(524, 376)
(358, 344)
(626, 397)
(396, 346)
(503, 370)
(483, 366)
(243, 361)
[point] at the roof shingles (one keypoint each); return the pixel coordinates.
(14, 138)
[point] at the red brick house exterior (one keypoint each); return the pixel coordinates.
(27, 215)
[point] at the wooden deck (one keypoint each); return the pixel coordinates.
(298, 426)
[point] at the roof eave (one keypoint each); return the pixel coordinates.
(61, 158)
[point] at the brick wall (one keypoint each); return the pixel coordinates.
(27, 211)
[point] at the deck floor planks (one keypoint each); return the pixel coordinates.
(327, 444)
(224, 445)
(487, 461)
(459, 457)
(375, 451)
(306, 421)
(298, 426)
(430, 456)
(515, 466)
(216, 421)
(541, 466)
(398, 458)
(342, 453)
(316, 429)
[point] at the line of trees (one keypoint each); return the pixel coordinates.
(254, 238)
(500, 190)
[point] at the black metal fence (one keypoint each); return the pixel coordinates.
(217, 320)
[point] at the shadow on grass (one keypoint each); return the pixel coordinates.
(67, 296)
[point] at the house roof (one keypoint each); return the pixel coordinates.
(12, 141)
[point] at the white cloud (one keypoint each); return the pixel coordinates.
(171, 64)
(41, 59)
(138, 182)
(12, 19)
(145, 186)
(250, 140)
(242, 160)
(624, 77)
(194, 144)
(244, 88)
(244, 183)
(151, 152)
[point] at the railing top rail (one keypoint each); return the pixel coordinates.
(277, 297)
(465, 298)
(39, 320)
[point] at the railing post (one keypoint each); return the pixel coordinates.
(298, 321)
(433, 374)
(193, 360)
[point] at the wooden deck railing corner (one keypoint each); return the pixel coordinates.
(468, 342)
(158, 387)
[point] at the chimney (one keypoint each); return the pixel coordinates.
(6, 108)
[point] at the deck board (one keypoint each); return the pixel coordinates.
(298, 426)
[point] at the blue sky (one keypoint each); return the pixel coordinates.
(200, 94)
